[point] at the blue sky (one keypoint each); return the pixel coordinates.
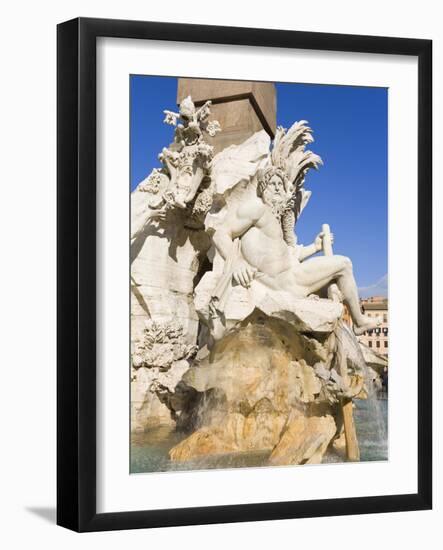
(349, 192)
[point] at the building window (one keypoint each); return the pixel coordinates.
(386, 343)
(385, 318)
(377, 343)
(370, 344)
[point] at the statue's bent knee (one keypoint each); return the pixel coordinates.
(345, 262)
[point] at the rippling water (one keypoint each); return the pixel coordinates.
(149, 450)
(371, 418)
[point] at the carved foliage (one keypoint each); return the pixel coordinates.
(163, 344)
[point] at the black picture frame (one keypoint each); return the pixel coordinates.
(76, 279)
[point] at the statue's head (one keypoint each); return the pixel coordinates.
(187, 109)
(273, 187)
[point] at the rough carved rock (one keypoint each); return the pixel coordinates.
(304, 440)
(150, 389)
(304, 314)
(261, 375)
(159, 361)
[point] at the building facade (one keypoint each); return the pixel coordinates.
(378, 338)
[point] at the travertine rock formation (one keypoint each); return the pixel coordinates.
(265, 386)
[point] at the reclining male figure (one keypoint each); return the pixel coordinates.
(265, 256)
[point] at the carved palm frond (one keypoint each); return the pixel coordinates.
(301, 198)
(289, 152)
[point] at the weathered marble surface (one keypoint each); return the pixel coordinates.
(159, 360)
(167, 259)
(168, 250)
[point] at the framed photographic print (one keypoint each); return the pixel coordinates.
(244, 274)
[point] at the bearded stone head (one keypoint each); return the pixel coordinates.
(273, 188)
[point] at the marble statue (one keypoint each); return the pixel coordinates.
(237, 331)
(189, 157)
(263, 254)
(185, 167)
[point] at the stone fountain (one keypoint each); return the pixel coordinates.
(238, 337)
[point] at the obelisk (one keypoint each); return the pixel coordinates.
(241, 107)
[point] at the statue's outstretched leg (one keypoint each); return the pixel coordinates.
(317, 273)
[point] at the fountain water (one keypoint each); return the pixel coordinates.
(371, 412)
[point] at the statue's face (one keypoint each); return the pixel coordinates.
(276, 184)
(274, 191)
